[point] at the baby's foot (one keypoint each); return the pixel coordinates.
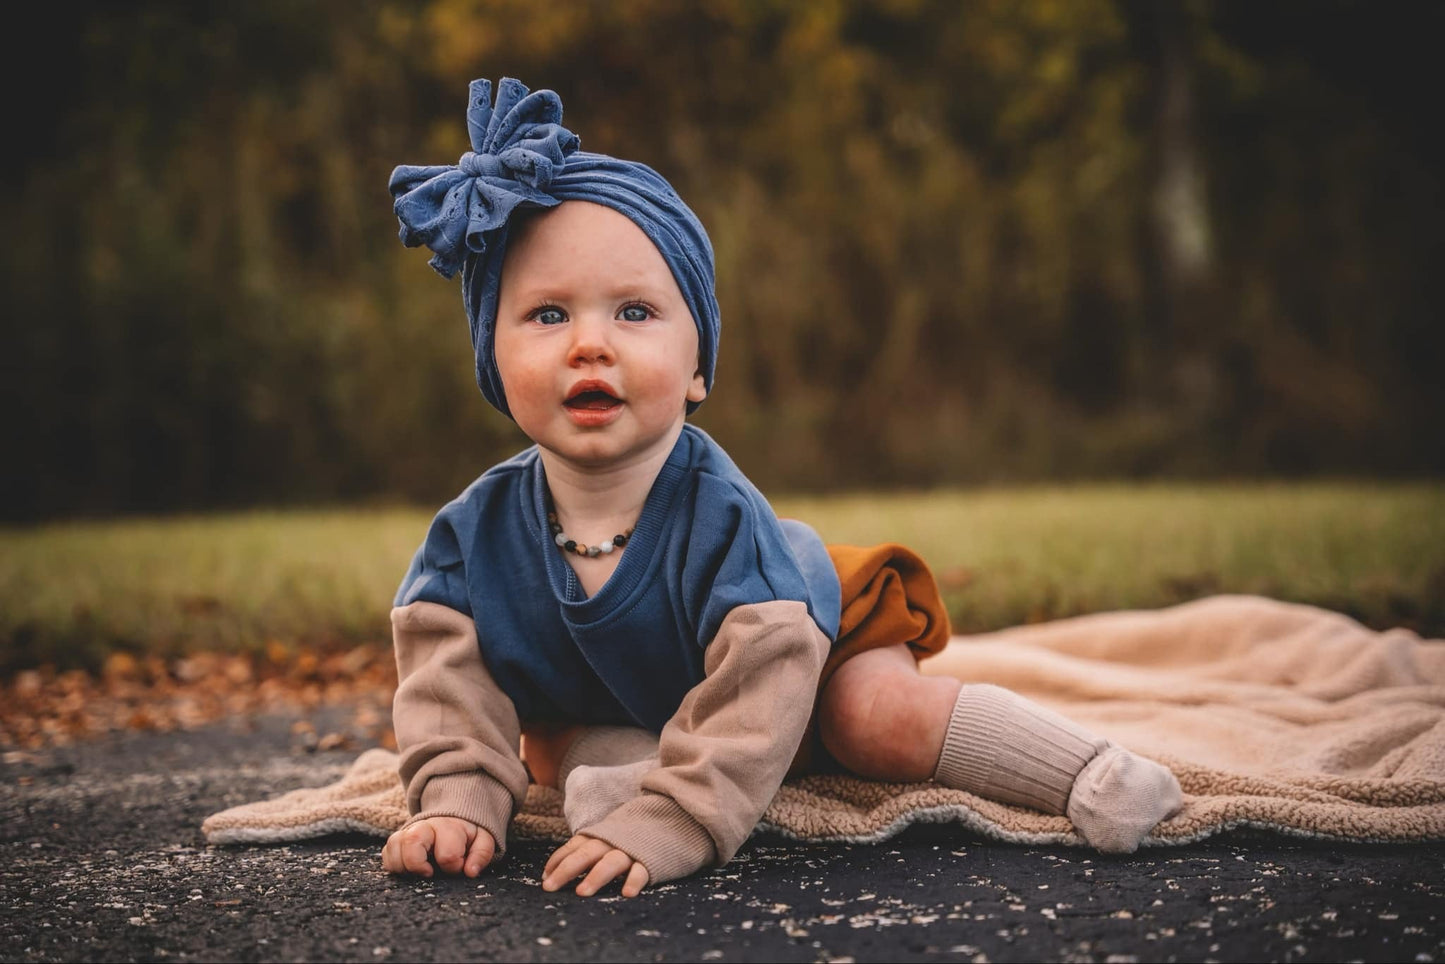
(1119, 797)
(593, 792)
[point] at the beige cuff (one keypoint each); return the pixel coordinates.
(474, 797)
(659, 834)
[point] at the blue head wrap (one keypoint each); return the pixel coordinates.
(523, 157)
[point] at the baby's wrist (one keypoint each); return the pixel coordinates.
(659, 834)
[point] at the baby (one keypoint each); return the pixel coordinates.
(618, 606)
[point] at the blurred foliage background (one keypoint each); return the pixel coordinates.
(957, 242)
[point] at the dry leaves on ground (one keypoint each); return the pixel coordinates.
(42, 708)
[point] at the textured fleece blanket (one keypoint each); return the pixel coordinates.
(1273, 715)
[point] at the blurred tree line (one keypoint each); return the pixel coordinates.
(956, 242)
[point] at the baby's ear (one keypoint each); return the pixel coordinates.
(697, 390)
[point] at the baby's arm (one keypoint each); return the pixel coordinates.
(722, 756)
(457, 734)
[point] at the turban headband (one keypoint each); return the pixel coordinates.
(522, 157)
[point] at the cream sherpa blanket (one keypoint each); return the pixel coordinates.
(1272, 715)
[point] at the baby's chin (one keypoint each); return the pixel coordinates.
(591, 455)
(602, 451)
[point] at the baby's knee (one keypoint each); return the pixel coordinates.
(881, 719)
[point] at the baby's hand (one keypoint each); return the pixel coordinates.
(455, 844)
(582, 854)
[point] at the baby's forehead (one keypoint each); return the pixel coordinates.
(580, 236)
(575, 218)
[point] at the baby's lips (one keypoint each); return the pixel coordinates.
(593, 400)
(592, 393)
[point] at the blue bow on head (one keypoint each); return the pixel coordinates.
(516, 150)
(522, 155)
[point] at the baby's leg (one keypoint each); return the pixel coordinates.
(598, 768)
(543, 748)
(882, 719)
(553, 752)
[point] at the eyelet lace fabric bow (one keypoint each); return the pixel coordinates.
(518, 146)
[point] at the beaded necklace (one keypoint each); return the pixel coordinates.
(567, 544)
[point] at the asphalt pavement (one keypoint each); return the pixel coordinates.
(104, 860)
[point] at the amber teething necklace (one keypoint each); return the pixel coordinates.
(567, 544)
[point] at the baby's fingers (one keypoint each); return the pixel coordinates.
(483, 849)
(406, 851)
(581, 859)
(613, 864)
(637, 879)
(450, 846)
(562, 852)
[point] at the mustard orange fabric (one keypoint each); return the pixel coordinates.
(889, 597)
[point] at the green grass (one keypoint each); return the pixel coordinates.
(1008, 556)
(71, 593)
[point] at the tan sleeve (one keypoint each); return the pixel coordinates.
(456, 731)
(725, 752)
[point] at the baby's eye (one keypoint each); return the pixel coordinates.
(549, 316)
(634, 313)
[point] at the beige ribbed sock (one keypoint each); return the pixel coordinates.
(1004, 747)
(1007, 748)
(602, 770)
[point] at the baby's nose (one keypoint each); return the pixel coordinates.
(591, 339)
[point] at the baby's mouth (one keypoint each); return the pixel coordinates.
(593, 400)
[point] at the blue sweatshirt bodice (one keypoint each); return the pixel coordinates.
(707, 541)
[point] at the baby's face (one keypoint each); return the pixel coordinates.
(594, 343)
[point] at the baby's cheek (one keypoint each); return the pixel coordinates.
(531, 398)
(664, 390)
(525, 384)
(671, 377)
